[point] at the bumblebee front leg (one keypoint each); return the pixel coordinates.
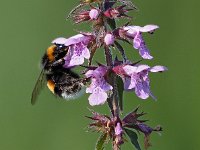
(59, 62)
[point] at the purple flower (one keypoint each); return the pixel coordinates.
(135, 33)
(109, 39)
(77, 49)
(98, 86)
(136, 78)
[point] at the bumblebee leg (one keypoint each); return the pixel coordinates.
(58, 62)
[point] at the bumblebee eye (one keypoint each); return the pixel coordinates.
(60, 46)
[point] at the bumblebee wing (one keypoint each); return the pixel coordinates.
(38, 87)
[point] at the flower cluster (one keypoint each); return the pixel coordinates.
(135, 77)
(107, 81)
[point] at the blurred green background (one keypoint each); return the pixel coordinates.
(28, 26)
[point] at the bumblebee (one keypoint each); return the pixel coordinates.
(62, 82)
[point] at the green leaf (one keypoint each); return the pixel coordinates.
(128, 3)
(133, 137)
(92, 52)
(121, 50)
(120, 86)
(111, 23)
(109, 100)
(100, 143)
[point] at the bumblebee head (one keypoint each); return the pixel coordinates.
(52, 57)
(56, 52)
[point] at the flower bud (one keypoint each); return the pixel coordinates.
(109, 39)
(117, 12)
(81, 16)
(94, 13)
(118, 134)
(118, 129)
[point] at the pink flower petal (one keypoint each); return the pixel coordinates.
(129, 70)
(127, 83)
(94, 13)
(60, 40)
(98, 97)
(158, 69)
(149, 28)
(89, 73)
(76, 39)
(100, 71)
(141, 68)
(75, 61)
(136, 42)
(144, 52)
(86, 53)
(139, 43)
(142, 90)
(106, 86)
(132, 30)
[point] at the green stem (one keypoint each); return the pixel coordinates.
(114, 98)
(112, 78)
